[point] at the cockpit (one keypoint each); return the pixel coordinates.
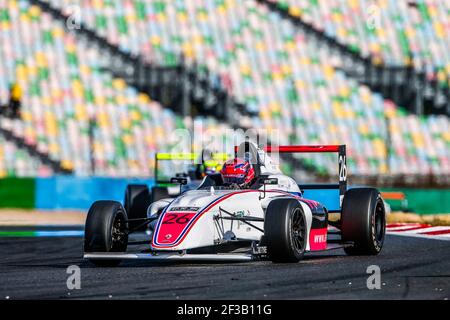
(265, 180)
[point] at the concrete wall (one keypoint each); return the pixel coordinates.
(62, 192)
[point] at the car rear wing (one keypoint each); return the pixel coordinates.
(342, 165)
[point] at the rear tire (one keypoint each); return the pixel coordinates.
(137, 201)
(106, 230)
(285, 230)
(363, 221)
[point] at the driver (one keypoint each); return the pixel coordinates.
(238, 173)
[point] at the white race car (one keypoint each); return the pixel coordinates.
(269, 220)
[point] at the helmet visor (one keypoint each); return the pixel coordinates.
(238, 179)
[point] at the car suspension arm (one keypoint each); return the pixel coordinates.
(243, 219)
(145, 222)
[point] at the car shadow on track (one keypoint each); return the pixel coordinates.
(66, 261)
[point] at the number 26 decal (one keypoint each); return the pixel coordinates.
(172, 218)
(342, 168)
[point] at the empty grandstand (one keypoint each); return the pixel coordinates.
(94, 122)
(393, 32)
(396, 47)
(65, 88)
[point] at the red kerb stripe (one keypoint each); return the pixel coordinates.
(437, 232)
(413, 225)
(410, 229)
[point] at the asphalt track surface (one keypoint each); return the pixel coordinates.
(411, 268)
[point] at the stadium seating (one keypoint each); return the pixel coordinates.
(18, 163)
(392, 31)
(64, 87)
(294, 84)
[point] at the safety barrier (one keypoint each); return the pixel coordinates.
(65, 193)
(423, 201)
(17, 193)
(61, 192)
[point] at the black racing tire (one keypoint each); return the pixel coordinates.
(159, 193)
(363, 221)
(285, 230)
(106, 230)
(136, 203)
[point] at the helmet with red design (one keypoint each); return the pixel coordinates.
(238, 171)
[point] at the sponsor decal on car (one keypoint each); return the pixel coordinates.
(240, 214)
(318, 239)
(173, 224)
(185, 209)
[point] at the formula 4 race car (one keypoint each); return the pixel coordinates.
(269, 220)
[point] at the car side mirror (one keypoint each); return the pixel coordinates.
(180, 175)
(179, 180)
(267, 181)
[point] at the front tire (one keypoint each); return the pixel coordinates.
(363, 221)
(106, 230)
(285, 230)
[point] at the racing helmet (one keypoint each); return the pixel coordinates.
(238, 171)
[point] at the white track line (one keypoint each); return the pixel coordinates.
(429, 229)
